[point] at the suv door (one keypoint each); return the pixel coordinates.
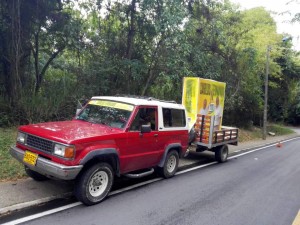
(141, 150)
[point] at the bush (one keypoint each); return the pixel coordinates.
(6, 118)
(279, 130)
(9, 167)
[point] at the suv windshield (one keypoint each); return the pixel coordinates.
(113, 114)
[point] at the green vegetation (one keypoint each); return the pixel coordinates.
(9, 167)
(54, 53)
(250, 134)
(256, 132)
(279, 130)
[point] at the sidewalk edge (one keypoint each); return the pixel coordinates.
(32, 203)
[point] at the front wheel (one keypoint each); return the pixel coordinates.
(221, 153)
(94, 184)
(171, 164)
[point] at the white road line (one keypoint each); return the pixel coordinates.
(33, 203)
(195, 168)
(248, 152)
(46, 213)
(52, 211)
(261, 148)
(133, 186)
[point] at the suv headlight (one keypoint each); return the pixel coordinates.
(21, 137)
(64, 151)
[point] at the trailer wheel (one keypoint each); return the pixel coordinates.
(192, 135)
(94, 184)
(221, 153)
(170, 166)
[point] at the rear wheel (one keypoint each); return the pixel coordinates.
(171, 164)
(35, 175)
(221, 153)
(94, 184)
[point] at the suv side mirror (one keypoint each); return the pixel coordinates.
(146, 129)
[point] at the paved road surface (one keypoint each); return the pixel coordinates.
(262, 187)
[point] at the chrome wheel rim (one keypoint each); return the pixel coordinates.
(98, 183)
(171, 164)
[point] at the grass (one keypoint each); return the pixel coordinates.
(249, 134)
(10, 168)
(256, 132)
(279, 130)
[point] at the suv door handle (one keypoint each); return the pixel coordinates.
(155, 135)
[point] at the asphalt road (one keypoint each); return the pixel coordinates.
(260, 188)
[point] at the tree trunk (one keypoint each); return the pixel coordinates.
(15, 52)
(35, 52)
(153, 64)
(40, 75)
(130, 40)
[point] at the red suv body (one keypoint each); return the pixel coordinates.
(110, 136)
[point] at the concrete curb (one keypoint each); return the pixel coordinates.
(23, 205)
(33, 203)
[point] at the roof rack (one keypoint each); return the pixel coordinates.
(155, 99)
(146, 98)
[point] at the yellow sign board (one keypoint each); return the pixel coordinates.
(112, 104)
(204, 97)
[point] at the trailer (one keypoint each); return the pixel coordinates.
(206, 139)
(204, 103)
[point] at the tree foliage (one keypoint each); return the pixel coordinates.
(55, 52)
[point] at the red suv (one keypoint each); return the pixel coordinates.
(110, 136)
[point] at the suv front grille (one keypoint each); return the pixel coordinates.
(39, 143)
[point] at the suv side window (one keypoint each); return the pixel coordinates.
(174, 117)
(145, 116)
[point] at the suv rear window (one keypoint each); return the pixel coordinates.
(174, 117)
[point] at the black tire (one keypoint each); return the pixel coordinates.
(35, 175)
(192, 135)
(170, 165)
(87, 190)
(221, 153)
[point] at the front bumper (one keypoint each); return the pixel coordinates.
(47, 167)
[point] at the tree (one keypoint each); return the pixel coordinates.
(53, 30)
(15, 51)
(140, 47)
